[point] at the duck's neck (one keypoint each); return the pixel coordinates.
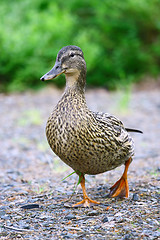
(76, 82)
(74, 94)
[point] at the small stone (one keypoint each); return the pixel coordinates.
(46, 224)
(127, 237)
(2, 213)
(68, 236)
(97, 227)
(140, 222)
(156, 234)
(18, 218)
(70, 217)
(105, 220)
(5, 217)
(30, 206)
(135, 197)
(93, 213)
(36, 226)
(120, 219)
(26, 226)
(28, 220)
(27, 236)
(3, 208)
(19, 236)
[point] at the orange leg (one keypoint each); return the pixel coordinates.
(121, 188)
(86, 200)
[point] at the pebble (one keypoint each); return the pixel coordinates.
(3, 208)
(26, 226)
(36, 226)
(2, 213)
(135, 197)
(156, 234)
(120, 219)
(105, 220)
(5, 217)
(30, 206)
(45, 224)
(127, 237)
(70, 217)
(93, 213)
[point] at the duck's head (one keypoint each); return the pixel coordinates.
(69, 61)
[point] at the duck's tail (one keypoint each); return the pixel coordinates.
(133, 130)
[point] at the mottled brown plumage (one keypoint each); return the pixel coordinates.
(89, 142)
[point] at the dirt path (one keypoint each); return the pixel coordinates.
(31, 173)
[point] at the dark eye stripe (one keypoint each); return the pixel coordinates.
(78, 54)
(65, 58)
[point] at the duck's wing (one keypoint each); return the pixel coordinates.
(113, 122)
(110, 122)
(115, 134)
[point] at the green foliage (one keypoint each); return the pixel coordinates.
(120, 39)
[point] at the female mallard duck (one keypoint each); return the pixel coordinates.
(89, 142)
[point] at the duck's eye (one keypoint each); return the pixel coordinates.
(72, 55)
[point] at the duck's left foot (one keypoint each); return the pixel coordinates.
(86, 202)
(121, 188)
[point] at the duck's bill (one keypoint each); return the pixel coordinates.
(53, 73)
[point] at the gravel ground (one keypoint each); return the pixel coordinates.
(32, 174)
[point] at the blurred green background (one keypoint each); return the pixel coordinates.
(120, 40)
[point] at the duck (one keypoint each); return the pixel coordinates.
(89, 142)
